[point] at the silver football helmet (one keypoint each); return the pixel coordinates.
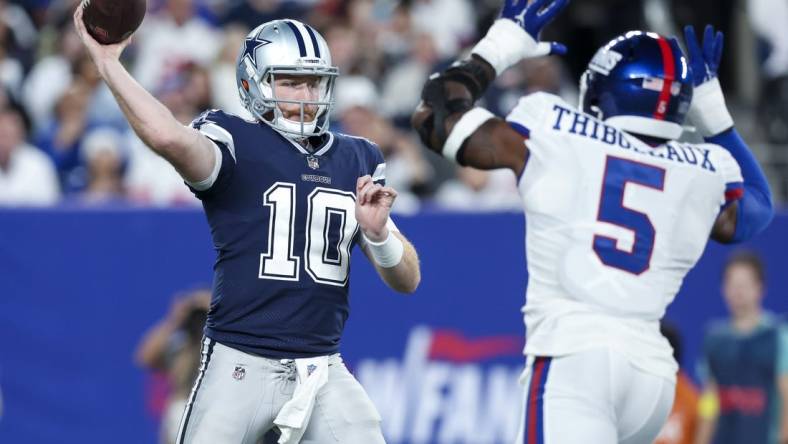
(285, 47)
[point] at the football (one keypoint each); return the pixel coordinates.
(112, 21)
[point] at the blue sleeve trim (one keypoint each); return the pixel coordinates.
(525, 132)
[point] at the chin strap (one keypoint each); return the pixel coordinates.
(292, 128)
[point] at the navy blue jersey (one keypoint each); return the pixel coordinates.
(283, 225)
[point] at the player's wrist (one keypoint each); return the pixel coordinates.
(104, 64)
(376, 236)
(506, 43)
(474, 73)
(387, 253)
(708, 111)
(462, 130)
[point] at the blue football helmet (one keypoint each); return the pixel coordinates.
(639, 82)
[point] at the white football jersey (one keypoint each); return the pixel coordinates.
(612, 227)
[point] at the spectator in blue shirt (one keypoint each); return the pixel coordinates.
(746, 364)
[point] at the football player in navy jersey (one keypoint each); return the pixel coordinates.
(286, 201)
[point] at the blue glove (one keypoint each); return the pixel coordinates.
(704, 62)
(707, 111)
(534, 17)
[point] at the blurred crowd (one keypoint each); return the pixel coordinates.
(63, 140)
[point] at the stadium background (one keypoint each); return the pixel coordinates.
(97, 235)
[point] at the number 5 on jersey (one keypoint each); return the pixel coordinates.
(330, 228)
(619, 173)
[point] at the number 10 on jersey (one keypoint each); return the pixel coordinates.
(330, 228)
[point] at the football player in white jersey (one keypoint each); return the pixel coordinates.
(617, 211)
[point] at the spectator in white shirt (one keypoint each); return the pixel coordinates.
(51, 76)
(223, 88)
(174, 37)
(27, 176)
(449, 35)
(476, 190)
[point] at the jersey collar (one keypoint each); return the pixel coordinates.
(328, 142)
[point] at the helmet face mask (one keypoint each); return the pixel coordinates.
(285, 48)
(275, 99)
(640, 82)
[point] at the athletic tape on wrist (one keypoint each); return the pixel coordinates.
(505, 44)
(708, 111)
(468, 123)
(387, 253)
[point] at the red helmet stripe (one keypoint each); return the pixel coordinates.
(669, 69)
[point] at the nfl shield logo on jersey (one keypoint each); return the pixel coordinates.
(310, 368)
(312, 162)
(239, 373)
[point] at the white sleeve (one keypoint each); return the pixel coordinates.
(531, 110)
(729, 171)
(208, 182)
(219, 135)
(379, 173)
(725, 163)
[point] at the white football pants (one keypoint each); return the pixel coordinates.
(594, 396)
(237, 396)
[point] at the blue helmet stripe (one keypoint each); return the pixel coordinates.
(314, 40)
(299, 39)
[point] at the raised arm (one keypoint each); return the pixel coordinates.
(446, 119)
(752, 213)
(191, 153)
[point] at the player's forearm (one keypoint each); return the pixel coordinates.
(446, 97)
(406, 275)
(448, 123)
(149, 118)
(186, 149)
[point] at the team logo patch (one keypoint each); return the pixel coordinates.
(239, 373)
(310, 369)
(604, 61)
(312, 162)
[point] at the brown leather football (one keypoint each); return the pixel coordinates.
(112, 21)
